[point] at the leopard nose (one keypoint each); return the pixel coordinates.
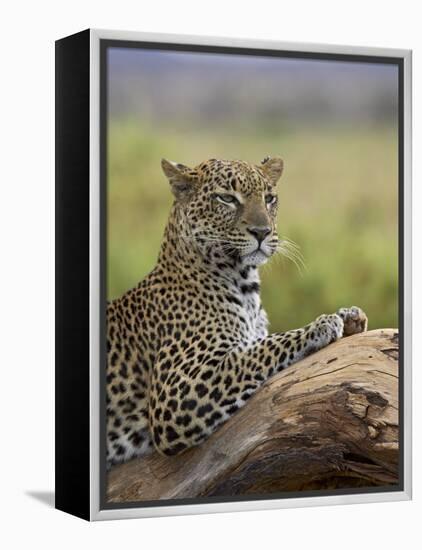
(259, 232)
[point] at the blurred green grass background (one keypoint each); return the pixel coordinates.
(338, 202)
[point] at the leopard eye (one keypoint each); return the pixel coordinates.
(226, 198)
(270, 199)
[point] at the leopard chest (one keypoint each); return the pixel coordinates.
(245, 288)
(252, 311)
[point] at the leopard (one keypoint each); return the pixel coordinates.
(190, 344)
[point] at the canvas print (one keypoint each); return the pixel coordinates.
(252, 275)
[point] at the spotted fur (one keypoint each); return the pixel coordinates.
(188, 346)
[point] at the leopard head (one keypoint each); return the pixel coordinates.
(228, 207)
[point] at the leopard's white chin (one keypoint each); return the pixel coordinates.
(255, 258)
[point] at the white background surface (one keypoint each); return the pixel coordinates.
(27, 272)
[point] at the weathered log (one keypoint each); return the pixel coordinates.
(330, 421)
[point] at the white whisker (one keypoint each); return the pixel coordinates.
(290, 250)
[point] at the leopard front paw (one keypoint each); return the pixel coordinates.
(354, 319)
(329, 328)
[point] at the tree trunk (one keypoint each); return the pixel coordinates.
(329, 421)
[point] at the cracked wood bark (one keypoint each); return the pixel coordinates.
(330, 421)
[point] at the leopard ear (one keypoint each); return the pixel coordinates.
(272, 168)
(181, 178)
